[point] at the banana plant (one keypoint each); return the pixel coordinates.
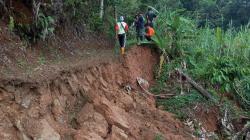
(171, 28)
(163, 43)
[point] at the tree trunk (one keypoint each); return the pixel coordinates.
(101, 9)
(203, 92)
(115, 13)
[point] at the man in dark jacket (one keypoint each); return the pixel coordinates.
(150, 16)
(139, 25)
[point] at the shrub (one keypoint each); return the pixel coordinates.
(179, 104)
(11, 24)
(44, 26)
(42, 29)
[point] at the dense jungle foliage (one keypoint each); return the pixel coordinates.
(37, 19)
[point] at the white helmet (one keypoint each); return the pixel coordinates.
(121, 18)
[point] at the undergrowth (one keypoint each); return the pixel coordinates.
(217, 59)
(177, 105)
(158, 137)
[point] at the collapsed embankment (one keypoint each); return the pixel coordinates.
(88, 104)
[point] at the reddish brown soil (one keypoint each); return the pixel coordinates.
(87, 102)
(209, 117)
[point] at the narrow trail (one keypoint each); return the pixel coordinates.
(88, 102)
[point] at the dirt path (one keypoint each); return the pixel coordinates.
(52, 69)
(19, 60)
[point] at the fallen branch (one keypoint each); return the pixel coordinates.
(244, 117)
(141, 81)
(202, 91)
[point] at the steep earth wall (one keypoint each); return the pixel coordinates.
(88, 104)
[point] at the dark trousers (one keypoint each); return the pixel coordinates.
(148, 38)
(140, 38)
(139, 34)
(122, 39)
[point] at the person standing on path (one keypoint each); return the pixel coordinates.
(139, 25)
(150, 16)
(121, 28)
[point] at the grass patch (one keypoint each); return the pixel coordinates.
(178, 104)
(158, 137)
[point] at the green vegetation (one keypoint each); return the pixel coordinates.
(11, 24)
(41, 60)
(42, 28)
(158, 137)
(22, 63)
(84, 15)
(216, 58)
(179, 104)
(45, 26)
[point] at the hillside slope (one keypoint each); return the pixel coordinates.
(87, 103)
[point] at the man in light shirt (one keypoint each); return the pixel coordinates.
(121, 29)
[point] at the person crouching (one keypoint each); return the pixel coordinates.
(149, 32)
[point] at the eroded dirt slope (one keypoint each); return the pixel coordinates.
(88, 104)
